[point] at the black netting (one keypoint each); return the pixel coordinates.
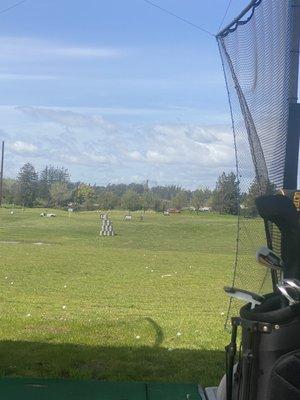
(255, 51)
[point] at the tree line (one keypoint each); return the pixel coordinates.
(52, 187)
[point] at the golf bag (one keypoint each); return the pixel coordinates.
(268, 366)
(269, 332)
(285, 382)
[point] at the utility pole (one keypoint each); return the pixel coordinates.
(292, 147)
(1, 174)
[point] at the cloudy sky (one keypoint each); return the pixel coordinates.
(116, 91)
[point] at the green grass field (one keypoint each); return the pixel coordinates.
(146, 304)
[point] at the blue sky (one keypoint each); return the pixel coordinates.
(116, 91)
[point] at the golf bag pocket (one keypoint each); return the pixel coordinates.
(268, 333)
(285, 378)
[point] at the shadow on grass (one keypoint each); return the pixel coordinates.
(36, 359)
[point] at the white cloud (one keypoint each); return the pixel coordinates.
(67, 118)
(86, 52)
(12, 48)
(190, 144)
(71, 138)
(22, 147)
(156, 157)
(135, 155)
(95, 149)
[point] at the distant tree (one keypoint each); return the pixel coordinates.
(180, 200)
(166, 192)
(226, 194)
(146, 201)
(27, 182)
(150, 201)
(200, 197)
(118, 189)
(54, 186)
(257, 189)
(58, 174)
(84, 194)
(10, 190)
(137, 187)
(44, 185)
(157, 204)
(48, 176)
(131, 201)
(107, 200)
(59, 194)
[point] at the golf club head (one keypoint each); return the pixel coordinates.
(291, 293)
(269, 259)
(295, 283)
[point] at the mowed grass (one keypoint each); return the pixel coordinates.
(146, 304)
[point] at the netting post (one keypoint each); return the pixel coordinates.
(292, 149)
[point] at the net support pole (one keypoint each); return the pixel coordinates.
(292, 149)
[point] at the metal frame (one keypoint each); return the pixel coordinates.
(292, 146)
(237, 20)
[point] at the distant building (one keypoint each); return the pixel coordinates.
(205, 209)
(190, 208)
(173, 210)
